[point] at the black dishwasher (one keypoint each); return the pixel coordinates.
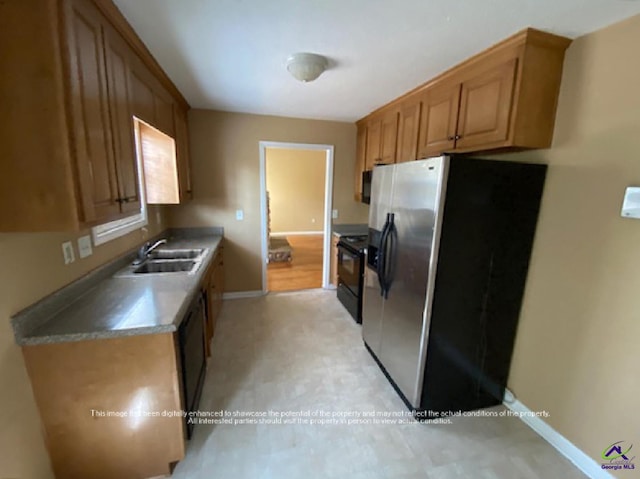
(192, 356)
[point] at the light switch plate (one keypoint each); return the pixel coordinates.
(84, 246)
(239, 215)
(334, 214)
(67, 252)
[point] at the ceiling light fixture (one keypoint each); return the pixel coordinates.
(306, 67)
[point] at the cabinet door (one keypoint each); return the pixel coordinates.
(389, 137)
(438, 120)
(217, 289)
(182, 153)
(142, 100)
(485, 107)
(334, 260)
(361, 149)
(408, 130)
(163, 106)
(90, 112)
(119, 86)
(372, 155)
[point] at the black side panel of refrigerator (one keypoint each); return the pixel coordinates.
(489, 221)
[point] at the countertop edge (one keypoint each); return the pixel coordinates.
(77, 337)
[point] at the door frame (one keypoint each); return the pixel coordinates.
(328, 203)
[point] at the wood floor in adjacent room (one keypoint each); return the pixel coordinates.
(304, 272)
(299, 356)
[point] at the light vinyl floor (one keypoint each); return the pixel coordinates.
(302, 351)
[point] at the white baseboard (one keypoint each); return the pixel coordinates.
(565, 447)
(242, 294)
(297, 233)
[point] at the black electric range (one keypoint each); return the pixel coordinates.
(351, 250)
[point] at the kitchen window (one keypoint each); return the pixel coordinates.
(157, 180)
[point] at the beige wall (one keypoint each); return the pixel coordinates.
(295, 182)
(226, 177)
(33, 267)
(578, 348)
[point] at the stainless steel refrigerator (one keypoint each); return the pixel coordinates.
(449, 246)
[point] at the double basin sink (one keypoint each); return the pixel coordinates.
(168, 261)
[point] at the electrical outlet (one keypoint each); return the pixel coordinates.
(158, 217)
(84, 246)
(239, 215)
(334, 214)
(67, 252)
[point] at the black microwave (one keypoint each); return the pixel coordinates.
(366, 186)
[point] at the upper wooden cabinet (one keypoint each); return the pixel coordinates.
(361, 148)
(372, 155)
(381, 139)
(117, 54)
(143, 101)
(74, 74)
(92, 133)
(388, 137)
(163, 104)
(486, 101)
(408, 130)
(439, 120)
(502, 99)
(182, 152)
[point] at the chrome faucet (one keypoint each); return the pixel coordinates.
(146, 249)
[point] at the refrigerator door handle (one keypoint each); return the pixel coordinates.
(390, 247)
(382, 254)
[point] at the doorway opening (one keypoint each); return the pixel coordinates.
(296, 185)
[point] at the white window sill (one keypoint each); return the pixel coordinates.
(110, 231)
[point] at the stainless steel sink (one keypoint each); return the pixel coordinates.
(176, 253)
(167, 261)
(165, 266)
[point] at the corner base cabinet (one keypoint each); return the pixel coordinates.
(92, 405)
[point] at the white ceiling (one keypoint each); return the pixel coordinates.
(231, 54)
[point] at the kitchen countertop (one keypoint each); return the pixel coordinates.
(350, 229)
(115, 305)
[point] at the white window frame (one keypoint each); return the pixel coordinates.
(115, 229)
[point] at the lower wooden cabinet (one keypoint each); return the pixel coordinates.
(214, 288)
(334, 259)
(89, 394)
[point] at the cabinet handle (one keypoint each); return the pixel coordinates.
(457, 137)
(451, 138)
